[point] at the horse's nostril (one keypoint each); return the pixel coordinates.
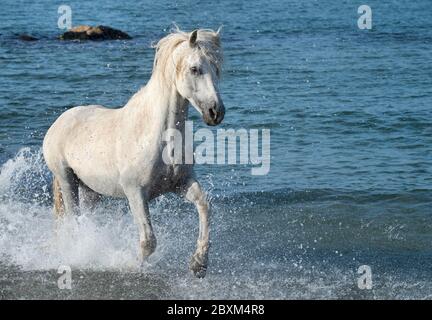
(213, 113)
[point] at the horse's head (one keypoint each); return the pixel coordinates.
(197, 58)
(198, 73)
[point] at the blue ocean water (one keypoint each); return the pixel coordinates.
(351, 151)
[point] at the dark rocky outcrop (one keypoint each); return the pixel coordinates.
(94, 33)
(26, 37)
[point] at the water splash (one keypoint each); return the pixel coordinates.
(277, 245)
(30, 238)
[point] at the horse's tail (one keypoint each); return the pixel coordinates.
(58, 199)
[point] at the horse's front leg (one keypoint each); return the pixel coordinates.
(138, 203)
(196, 195)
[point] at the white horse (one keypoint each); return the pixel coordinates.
(93, 150)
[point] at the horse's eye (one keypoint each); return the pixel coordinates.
(195, 70)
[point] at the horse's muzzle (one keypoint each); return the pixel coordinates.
(214, 115)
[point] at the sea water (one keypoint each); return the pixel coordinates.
(350, 180)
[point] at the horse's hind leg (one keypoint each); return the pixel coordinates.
(65, 188)
(88, 198)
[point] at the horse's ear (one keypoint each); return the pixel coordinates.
(218, 32)
(193, 38)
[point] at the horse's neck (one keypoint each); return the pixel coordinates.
(159, 105)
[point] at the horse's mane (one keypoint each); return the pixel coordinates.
(208, 44)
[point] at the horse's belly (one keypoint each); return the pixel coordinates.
(102, 184)
(97, 173)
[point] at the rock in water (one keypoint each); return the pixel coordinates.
(94, 33)
(26, 37)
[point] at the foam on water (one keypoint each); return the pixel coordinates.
(30, 238)
(104, 239)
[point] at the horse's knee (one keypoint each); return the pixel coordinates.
(196, 195)
(148, 246)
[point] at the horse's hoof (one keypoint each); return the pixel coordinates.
(198, 266)
(147, 248)
(144, 265)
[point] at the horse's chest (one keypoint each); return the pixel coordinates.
(170, 173)
(168, 177)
